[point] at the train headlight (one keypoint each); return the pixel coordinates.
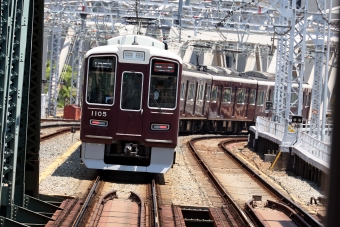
(159, 127)
(134, 55)
(100, 123)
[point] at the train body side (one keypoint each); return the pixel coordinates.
(230, 103)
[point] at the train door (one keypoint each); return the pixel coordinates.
(247, 101)
(204, 94)
(130, 114)
(183, 97)
(235, 100)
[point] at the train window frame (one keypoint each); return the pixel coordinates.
(252, 99)
(260, 98)
(164, 76)
(104, 99)
(240, 92)
(228, 99)
(141, 93)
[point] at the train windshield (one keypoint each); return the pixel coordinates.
(101, 80)
(163, 84)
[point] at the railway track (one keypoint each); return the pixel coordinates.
(147, 200)
(58, 132)
(243, 189)
(102, 206)
(55, 127)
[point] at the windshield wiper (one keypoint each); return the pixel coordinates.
(159, 107)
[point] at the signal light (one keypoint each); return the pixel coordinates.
(99, 123)
(160, 127)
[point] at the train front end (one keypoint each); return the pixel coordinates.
(130, 106)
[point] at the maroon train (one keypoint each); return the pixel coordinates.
(137, 99)
(227, 102)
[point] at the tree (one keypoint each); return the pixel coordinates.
(64, 87)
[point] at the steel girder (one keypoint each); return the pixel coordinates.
(54, 70)
(17, 74)
(74, 78)
(77, 72)
(12, 159)
(319, 28)
(291, 31)
(204, 15)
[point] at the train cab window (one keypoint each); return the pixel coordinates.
(252, 97)
(227, 94)
(101, 80)
(260, 98)
(191, 94)
(214, 93)
(131, 92)
(207, 95)
(241, 93)
(163, 84)
(182, 91)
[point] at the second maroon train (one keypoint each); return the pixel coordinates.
(227, 102)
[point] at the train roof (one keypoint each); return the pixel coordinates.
(234, 79)
(258, 74)
(119, 50)
(136, 40)
(197, 74)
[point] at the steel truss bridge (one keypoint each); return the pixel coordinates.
(80, 21)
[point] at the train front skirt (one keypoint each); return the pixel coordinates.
(93, 157)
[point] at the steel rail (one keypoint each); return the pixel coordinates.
(59, 132)
(86, 203)
(154, 203)
(60, 125)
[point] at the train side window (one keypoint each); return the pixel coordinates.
(101, 80)
(182, 91)
(200, 93)
(260, 98)
(207, 95)
(227, 94)
(214, 93)
(191, 94)
(241, 95)
(200, 96)
(252, 97)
